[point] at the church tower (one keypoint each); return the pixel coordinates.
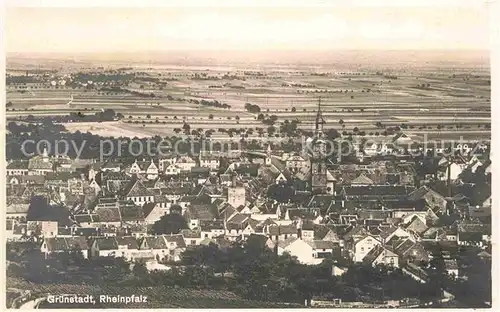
(318, 158)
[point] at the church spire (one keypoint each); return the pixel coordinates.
(319, 120)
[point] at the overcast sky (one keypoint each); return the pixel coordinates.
(35, 29)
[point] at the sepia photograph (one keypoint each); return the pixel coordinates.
(216, 155)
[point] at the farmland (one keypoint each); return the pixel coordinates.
(157, 297)
(441, 103)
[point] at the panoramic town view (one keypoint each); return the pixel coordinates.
(150, 167)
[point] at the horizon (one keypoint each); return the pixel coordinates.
(255, 30)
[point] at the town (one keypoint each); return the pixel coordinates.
(423, 216)
(222, 157)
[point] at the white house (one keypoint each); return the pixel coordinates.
(186, 163)
(172, 170)
(152, 171)
(362, 247)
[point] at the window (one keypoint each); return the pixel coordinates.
(206, 235)
(286, 236)
(362, 249)
(193, 242)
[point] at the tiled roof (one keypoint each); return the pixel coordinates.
(186, 233)
(109, 214)
(416, 225)
(155, 242)
(128, 241)
(79, 242)
(131, 212)
(21, 207)
(319, 244)
(202, 212)
(207, 225)
(147, 208)
(18, 165)
(178, 239)
(56, 244)
(283, 229)
(136, 188)
(106, 243)
(238, 218)
(379, 190)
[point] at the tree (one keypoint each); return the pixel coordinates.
(169, 224)
(140, 270)
(294, 109)
(148, 116)
(211, 116)
(341, 121)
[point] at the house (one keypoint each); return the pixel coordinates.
(416, 225)
(359, 248)
(157, 245)
(296, 163)
(104, 247)
(137, 192)
(40, 165)
(308, 252)
(191, 238)
(119, 246)
(17, 208)
(176, 246)
(200, 212)
(472, 233)
(15, 231)
(111, 167)
(430, 197)
(455, 169)
(44, 229)
(236, 194)
(166, 160)
(281, 232)
(211, 229)
(409, 251)
(451, 267)
(388, 233)
(152, 171)
(209, 161)
(185, 163)
(153, 212)
(381, 255)
(402, 138)
(172, 170)
(64, 244)
(137, 168)
(17, 168)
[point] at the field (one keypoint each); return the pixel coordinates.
(426, 101)
(157, 297)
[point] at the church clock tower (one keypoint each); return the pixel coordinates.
(318, 158)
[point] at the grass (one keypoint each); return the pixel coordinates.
(157, 297)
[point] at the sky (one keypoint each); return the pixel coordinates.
(112, 29)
